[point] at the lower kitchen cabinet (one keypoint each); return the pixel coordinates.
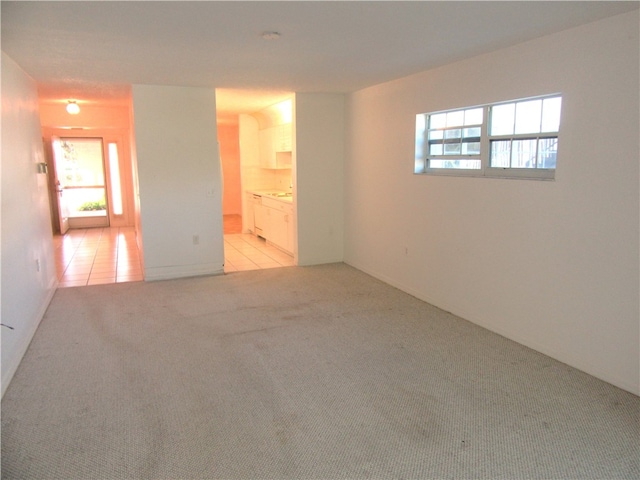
(279, 228)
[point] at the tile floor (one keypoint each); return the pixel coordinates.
(244, 251)
(93, 256)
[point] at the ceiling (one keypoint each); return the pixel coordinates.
(93, 51)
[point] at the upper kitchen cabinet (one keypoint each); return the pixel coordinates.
(275, 146)
(275, 135)
(283, 137)
(267, 148)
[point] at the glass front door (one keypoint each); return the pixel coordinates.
(81, 180)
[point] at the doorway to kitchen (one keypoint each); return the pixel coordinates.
(256, 151)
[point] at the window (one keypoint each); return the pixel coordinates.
(114, 176)
(511, 139)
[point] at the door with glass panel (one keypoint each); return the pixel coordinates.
(80, 181)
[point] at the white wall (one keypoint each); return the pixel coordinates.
(318, 136)
(179, 181)
(26, 224)
(553, 265)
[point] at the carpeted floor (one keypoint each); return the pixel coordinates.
(317, 372)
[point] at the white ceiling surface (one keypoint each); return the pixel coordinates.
(94, 51)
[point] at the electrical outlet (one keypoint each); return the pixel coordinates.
(37, 264)
(196, 239)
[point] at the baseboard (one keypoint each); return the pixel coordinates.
(152, 274)
(23, 345)
(578, 364)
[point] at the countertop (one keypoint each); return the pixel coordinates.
(273, 194)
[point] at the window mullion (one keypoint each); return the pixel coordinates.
(485, 146)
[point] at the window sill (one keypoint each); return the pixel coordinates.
(501, 173)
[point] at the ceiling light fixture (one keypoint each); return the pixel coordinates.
(72, 107)
(270, 35)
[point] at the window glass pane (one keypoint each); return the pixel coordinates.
(435, 134)
(452, 149)
(471, 132)
(452, 133)
(82, 162)
(523, 154)
(420, 150)
(502, 117)
(528, 115)
(435, 149)
(455, 164)
(547, 152)
(114, 170)
(473, 116)
(437, 163)
(551, 114)
(471, 148)
(439, 120)
(455, 119)
(501, 153)
(86, 202)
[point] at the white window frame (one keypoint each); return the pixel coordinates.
(422, 157)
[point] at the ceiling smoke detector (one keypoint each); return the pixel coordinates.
(270, 35)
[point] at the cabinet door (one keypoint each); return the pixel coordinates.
(284, 138)
(267, 148)
(279, 226)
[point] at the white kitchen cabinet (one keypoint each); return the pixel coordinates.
(275, 146)
(267, 148)
(279, 229)
(283, 138)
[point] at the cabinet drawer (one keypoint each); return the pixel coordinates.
(277, 205)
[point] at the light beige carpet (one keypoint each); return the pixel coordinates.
(319, 372)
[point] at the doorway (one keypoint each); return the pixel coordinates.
(80, 182)
(91, 182)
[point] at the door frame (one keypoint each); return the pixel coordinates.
(118, 136)
(90, 221)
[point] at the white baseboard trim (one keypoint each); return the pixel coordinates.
(152, 274)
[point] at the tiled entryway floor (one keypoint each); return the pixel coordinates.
(244, 251)
(92, 256)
